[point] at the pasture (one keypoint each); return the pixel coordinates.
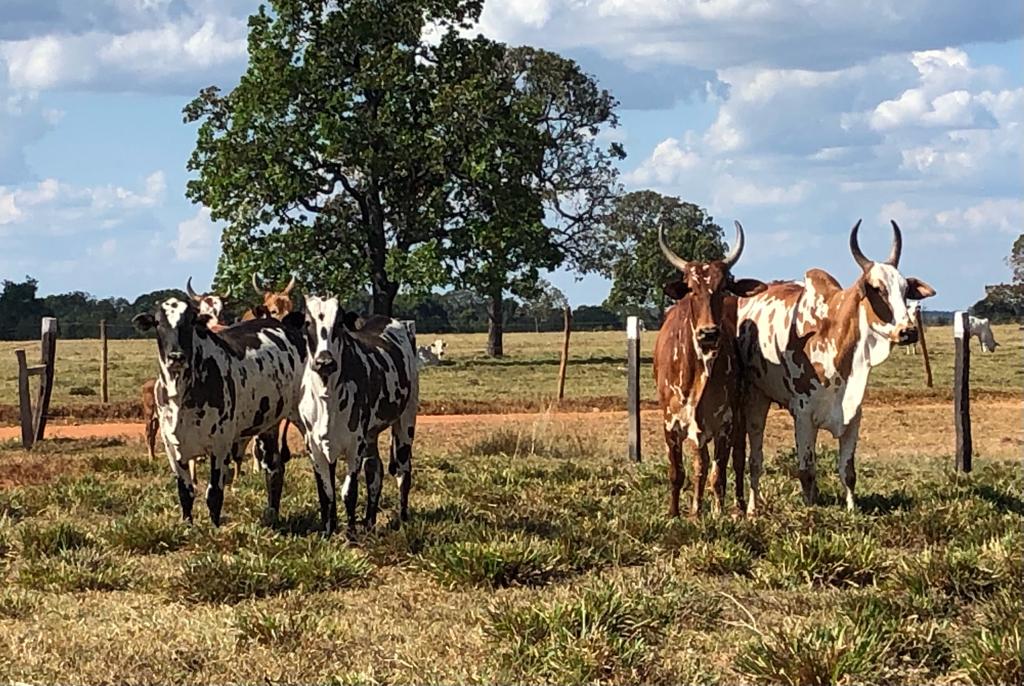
(535, 555)
(525, 379)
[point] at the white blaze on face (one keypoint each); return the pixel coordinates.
(891, 285)
(173, 309)
(323, 313)
(211, 305)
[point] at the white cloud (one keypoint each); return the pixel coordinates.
(197, 237)
(665, 164)
(732, 191)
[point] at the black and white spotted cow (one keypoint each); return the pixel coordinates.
(357, 383)
(216, 390)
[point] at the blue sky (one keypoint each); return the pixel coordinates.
(796, 118)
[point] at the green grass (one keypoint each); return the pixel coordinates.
(553, 564)
(526, 377)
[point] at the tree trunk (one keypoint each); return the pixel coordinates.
(495, 323)
(382, 296)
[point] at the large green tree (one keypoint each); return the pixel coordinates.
(630, 254)
(328, 159)
(535, 178)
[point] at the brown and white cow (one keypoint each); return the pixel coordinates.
(697, 373)
(810, 347)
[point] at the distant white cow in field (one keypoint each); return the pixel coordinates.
(982, 330)
(913, 307)
(431, 355)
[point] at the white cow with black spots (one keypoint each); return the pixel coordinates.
(216, 390)
(357, 383)
(431, 355)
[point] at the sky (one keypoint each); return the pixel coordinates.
(796, 118)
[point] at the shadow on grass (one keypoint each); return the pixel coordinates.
(884, 503)
(1002, 501)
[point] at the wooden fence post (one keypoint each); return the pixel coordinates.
(24, 402)
(924, 348)
(633, 385)
(565, 353)
(103, 361)
(962, 391)
(48, 343)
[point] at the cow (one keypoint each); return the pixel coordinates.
(356, 384)
(217, 390)
(696, 373)
(212, 306)
(275, 305)
(913, 310)
(810, 347)
(431, 355)
(982, 330)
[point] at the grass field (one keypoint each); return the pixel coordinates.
(526, 378)
(535, 555)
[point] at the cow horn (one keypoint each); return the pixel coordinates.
(256, 285)
(191, 293)
(675, 260)
(737, 248)
(291, 284)
(862, 261)
(897, 245)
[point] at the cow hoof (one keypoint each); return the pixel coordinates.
(270, 517)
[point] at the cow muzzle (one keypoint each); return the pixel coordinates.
(324, 364)
(707, 338)
(176, 362)
(907, 336)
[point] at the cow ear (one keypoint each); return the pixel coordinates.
(746, 288)
(676, 288)
(144, 321)
(918, 290)
(351, 321)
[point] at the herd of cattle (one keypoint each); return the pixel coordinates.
(728, 349)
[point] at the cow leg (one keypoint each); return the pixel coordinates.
(374, 470)
(738, 444)
(350, 489)
(755, 417)
(269, 459)
(215, 489)
(400, 464)
(806, 437)
(186, 484)
(152, 426)
(324, 471)
(847, 450)
(718, 473)
(675, 470)
(699, 460)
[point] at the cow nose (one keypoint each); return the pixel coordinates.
(908, 335)
(324, 364)
(707, 334)
(176, 357)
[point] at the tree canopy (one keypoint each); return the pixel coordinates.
(630, 255)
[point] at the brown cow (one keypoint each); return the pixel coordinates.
(697, 373)
(276, 304)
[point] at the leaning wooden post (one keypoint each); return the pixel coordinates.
(924, 348)
(565, 353)
(962, 392)
(24, 402)
(103, 361)
(633, 385)
(49, 355)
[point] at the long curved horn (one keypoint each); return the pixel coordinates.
(673, 259)
(862, 261)
(897, 245)
(256, 285)
(291, 284)
(737, 247)
(191, 293)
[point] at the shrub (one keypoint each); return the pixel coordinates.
(82, 390)
(16, 603)
(822, 654)
(147, 534)
(991, 654)
(822, 560)
(515, 562)
(722, 558)
(276, 628)
(76, 570)
(270, 570)
(604, 633)
(62, 537)
(960, 574)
